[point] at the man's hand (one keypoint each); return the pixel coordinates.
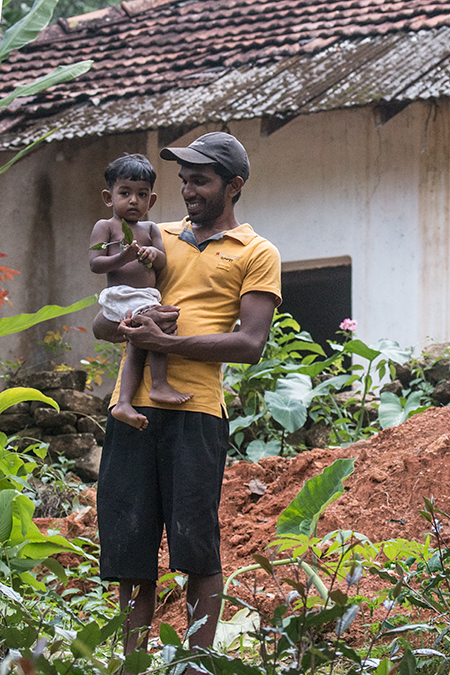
(242, 346)
(142, 332)
(165, 317)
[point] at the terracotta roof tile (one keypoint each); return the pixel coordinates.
(152, 47)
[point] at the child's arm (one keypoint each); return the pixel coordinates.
(102, 263)
(155, 253)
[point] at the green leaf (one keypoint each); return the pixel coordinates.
(243, 422)
(22, 511)
(194, 627)
(11, 593)
(6, 499)
(20, 322)
(287, 411)
(296, 386)
(112, 626)
(15, 395)
(318, 366)
(299, 386)
(346, 621)
(28, 578)
(19, 638)
(21, 565)
(138, 661)
(169, 635)
(55, 566)
(264, 562)
(338, 597)
(98, 247)
(28, 28)
(25, 151)
(26, 534)
(256, 450)
(127, 232)
(361, 349)
(306, 346)
(415, 627)
(60, 74)
(391, 411)
(303, 513)
(384, 667)
(231, 635)
(391, 350)
(40, 451)
(89, 636)
(408, 664)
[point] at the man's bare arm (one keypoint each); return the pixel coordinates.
(165, 317)
(243, 346)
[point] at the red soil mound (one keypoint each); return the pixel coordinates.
(394, 470)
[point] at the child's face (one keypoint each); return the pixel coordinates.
(130, 199)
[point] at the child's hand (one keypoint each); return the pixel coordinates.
(147, 254)
(130, 252)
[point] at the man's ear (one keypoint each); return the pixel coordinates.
(107, 198)
(153, 198)
(235, 185)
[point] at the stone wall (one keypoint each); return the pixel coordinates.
(76, 431)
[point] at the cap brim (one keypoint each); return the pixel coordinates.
(188, 155)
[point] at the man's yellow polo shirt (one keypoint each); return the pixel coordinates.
(207, 286)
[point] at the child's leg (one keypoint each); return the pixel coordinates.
(131, 377)
(161, 391)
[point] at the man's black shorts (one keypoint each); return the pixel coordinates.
(169, 474)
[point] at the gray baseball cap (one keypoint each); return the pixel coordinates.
(214, 148)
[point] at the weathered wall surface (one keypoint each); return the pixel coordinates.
(50, 202)
(325, 185)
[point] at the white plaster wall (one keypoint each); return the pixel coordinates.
(335, 184)
(324, 185)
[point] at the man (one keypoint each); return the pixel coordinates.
(170, 474)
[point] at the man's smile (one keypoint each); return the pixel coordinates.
(191, 206)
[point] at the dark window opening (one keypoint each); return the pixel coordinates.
(319, 298)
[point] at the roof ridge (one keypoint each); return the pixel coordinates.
(135, 7)
(73, 21)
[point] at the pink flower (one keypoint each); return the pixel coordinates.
(348, 324)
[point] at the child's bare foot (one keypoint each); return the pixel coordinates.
(124, 412)
(164, 393)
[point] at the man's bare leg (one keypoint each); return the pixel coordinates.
(141, 615)
(203, 596)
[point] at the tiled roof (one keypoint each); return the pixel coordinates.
(160, 63)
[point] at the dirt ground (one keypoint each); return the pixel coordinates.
(394, 470)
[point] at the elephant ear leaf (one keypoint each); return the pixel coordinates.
(303, 513)
(127, 232)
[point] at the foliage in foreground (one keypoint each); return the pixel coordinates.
(55, 628)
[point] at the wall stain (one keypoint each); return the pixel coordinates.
(434, 224)
(40, 270)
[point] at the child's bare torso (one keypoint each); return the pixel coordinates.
(134, 273)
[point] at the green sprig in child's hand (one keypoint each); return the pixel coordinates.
(127, 239)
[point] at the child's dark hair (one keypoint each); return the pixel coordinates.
(130, 167)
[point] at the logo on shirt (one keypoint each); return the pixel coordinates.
(228, 257)
(226, 260)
